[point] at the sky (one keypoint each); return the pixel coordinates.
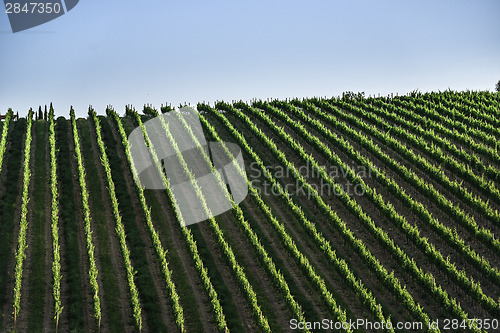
(171, 51)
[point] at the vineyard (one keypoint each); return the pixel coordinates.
(362, 215)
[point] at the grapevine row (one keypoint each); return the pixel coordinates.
(120, 231)
(56, 264)
(457, 111)
(483, 100)
(399, 115)
(93, 272)
(23, 226)
(424, 110)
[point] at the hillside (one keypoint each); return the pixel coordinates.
(358, 209)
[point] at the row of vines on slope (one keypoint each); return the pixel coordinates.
(54, 216)
(93, 272)
(23, 225)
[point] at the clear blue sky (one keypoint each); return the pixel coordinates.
(137, 52)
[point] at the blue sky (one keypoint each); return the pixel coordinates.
(137, 52)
